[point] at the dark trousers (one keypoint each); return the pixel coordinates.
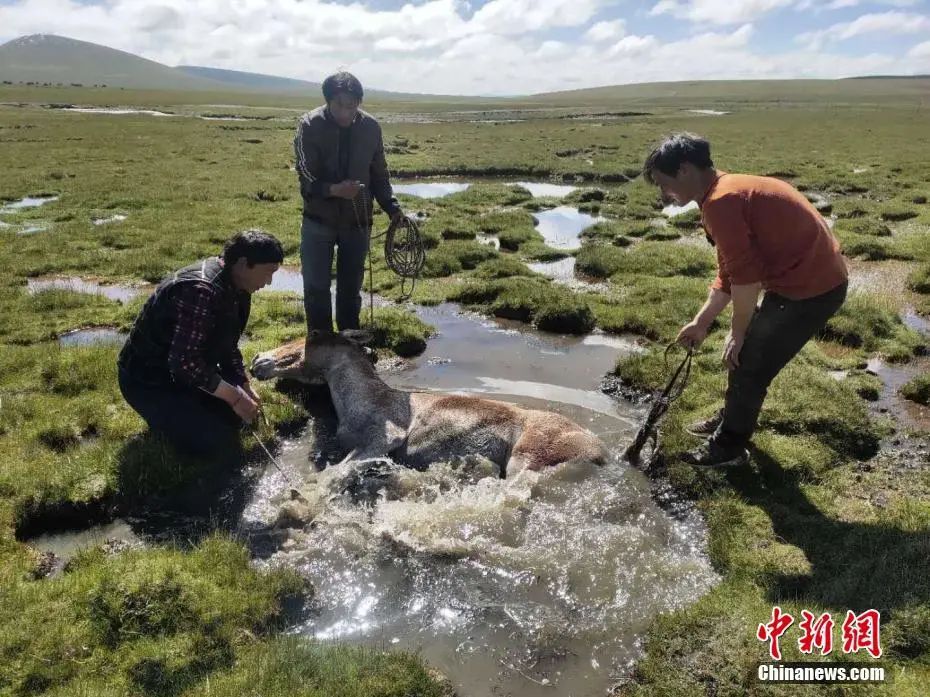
(192, 420)
(777, 332)
(317, 244)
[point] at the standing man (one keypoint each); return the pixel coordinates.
(768, 238)
(340, 166)
(181, 368)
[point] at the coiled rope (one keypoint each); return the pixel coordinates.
(404, 249)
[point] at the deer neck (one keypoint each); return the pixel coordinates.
(354, 382)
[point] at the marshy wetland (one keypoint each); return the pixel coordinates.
(125, 569)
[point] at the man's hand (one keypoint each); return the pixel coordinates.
(692, 334)
(397, 216)
(245, 407)
(731, 350)
(345, 189)
(252, 393)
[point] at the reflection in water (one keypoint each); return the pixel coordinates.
(430, 189)
(561, 226)
(546, 189)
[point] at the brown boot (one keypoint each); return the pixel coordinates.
(706, 427)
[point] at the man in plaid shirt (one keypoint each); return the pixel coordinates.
(181, 368)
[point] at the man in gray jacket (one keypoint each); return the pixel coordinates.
(341, 166)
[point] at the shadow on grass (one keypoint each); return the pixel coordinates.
(170, 497)
(854, 566)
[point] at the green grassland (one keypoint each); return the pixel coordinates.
(800, 528)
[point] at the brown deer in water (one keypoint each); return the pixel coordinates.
(418, 428)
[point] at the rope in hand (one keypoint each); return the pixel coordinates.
(295, 494)
(404, 250)
(649, 430)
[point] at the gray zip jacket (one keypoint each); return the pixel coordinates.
(320, 164)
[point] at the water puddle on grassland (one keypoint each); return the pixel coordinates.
(92, 335)
(27, 202)
(112, 291)
(538, 189)
(430, 189)
(563, 272)
(907, 413)
(561, 226)
(539, 584)
(115, 218)
(115, 112)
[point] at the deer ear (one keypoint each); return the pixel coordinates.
(360, 337)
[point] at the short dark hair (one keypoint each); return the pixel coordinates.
(257, 246)
(674, 151)
(342, 82)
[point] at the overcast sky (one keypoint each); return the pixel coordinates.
(501, 46)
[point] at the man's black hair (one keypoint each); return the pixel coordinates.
(257, 246)
(342, 82)
(674, 151)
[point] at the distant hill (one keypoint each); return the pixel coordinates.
(237, 79)
(46, 58)
(49, 58)
(859, 89)
(258, 82)
(57, 59)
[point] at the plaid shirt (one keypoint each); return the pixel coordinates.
(196, 319)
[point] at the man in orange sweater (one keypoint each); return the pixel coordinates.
(768, 238)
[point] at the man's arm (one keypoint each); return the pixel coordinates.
(307, 163)
(186, 361)
(694, 333)
(744, 304)
(381, 180)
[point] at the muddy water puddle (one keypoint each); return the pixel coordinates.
(905, 412)
(539, 584)
(64, 545)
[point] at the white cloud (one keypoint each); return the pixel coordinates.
(921, 50)
(438, 46)
(719, 12)
(886, 23)
(633, 45)
(519, 16)
(606, 31)
(840, 4)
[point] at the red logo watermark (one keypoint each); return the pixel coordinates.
(859, 632)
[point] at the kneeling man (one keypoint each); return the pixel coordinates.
(181, 368)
